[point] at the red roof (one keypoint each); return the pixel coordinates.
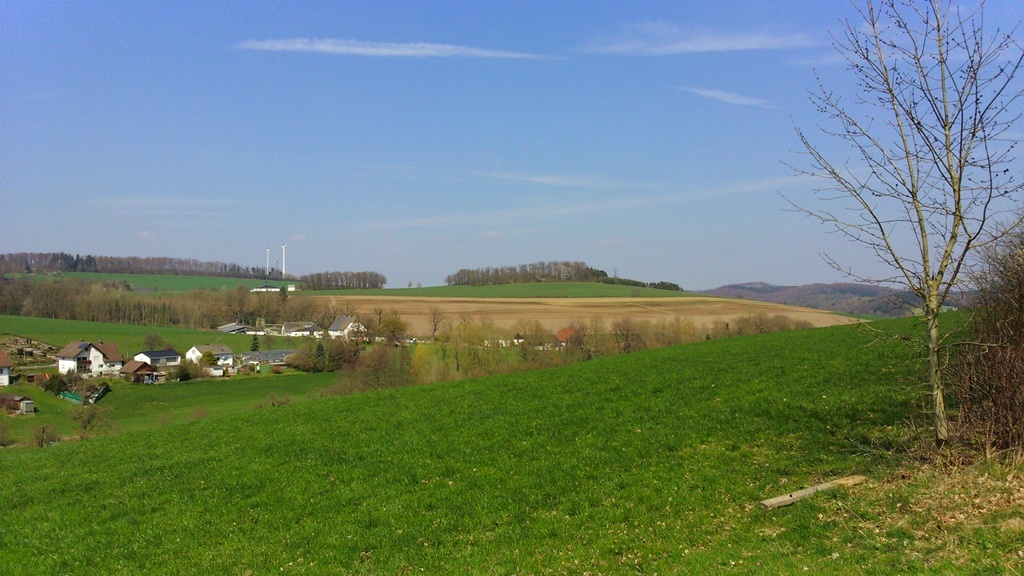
(137, 367)
(5, 360)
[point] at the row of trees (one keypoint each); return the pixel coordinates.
(56, 262)
(525, 273)
(469, 349)
(73, 299)
(343, 280)
(544, 272)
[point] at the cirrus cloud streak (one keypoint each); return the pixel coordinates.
(662, 39)
(344, 47)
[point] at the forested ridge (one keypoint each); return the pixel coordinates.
(54, 262)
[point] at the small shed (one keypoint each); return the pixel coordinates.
(25, 405)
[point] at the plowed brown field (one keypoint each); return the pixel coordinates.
(556, 313)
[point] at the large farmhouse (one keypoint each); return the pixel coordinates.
(89, 359)
(5, 369)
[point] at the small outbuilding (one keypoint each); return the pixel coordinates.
(25, 405)
(139, 372)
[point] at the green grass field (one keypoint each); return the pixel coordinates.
(128, 337)
(647, 463)
(160, 282)
(169, 283)
(538, 290)
(133, 407)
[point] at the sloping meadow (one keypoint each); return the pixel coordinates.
(652, 462)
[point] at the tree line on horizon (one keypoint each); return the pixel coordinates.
(553, 271)
(343, 280)
(56, 262)
(62, 262)
(77, 299)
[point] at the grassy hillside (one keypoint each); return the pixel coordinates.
(161, 282)
(171, 283)
(132, 407)
(651, 463)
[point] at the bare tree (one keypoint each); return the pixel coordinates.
(931, 151)
(437, 317)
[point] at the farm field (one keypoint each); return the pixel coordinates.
(652, 462)
(531, 290)
(557, 313)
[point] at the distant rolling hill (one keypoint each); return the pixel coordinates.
(849, 298)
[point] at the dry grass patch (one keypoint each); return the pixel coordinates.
(557, 313)
(939, 513)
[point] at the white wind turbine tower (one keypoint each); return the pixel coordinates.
(266, 272)
(283, 246)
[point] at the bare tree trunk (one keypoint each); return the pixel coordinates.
(935, 373)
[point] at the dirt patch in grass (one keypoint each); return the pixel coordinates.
(556, 313)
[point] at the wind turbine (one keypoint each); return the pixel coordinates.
(283, 246)
(266, 272)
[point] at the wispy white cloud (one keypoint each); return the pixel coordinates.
(565, 180)
(663, 39)
(344, 47)
(729, 97)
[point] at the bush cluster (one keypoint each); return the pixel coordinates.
(987, 376)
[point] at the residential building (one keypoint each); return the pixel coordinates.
(346, 327)
(224, 356)
(160, 359)
(89, 359)
(5, 369)
(301, 329)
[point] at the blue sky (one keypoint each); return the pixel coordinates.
(418, 138)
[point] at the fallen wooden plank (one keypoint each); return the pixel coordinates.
(787, 499)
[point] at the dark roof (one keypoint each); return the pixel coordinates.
(5, 360)
(264, 357)
(232, 328)
(162, 353)
(340, 323)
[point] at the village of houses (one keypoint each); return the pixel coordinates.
(95, 359)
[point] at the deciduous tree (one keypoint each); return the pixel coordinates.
(927, 167)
